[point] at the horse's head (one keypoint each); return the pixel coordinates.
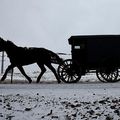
(2, 44)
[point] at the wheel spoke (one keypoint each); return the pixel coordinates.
(68, 79)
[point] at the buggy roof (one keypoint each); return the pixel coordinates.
(83, 38)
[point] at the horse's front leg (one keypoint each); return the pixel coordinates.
(43, 69)
(54, 71)
(7, 70)
(23, 72)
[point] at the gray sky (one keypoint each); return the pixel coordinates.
(49, 23)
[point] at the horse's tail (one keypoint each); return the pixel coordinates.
(55, 58)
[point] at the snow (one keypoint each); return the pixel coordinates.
(86, 100)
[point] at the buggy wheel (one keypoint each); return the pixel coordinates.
(67, 73)
(99, 76)
(108, 75)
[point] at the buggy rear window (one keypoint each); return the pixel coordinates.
(81, 46)
(77, 47)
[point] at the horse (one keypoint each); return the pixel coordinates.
(20, 56)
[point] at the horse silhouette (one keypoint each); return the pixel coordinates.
(20, 56)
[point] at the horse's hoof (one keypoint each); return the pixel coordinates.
(37, 81)
(59, 82)
(30, 81)
(2, 80)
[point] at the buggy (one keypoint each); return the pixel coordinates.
(92, 53)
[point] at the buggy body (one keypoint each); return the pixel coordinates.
(99, 53)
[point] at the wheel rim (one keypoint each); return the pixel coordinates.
(67, 73)
(109, 75)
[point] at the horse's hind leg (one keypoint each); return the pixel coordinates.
(43, 69)
(23, 72)
(53, 70)
(7, 70)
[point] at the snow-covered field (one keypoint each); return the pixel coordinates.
(87, 100)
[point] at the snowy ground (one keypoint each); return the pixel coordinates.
(87, 100)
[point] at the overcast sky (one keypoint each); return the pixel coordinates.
(49, 23)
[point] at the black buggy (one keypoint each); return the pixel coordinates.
(92, 53)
